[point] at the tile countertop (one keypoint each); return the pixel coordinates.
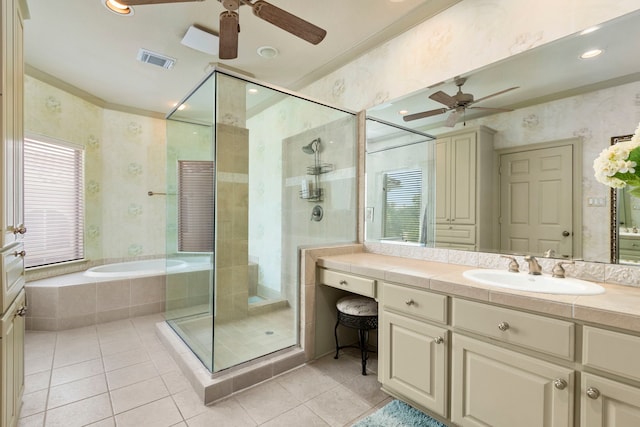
(618, 307)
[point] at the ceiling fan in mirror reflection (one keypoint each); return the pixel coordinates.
(457, 104)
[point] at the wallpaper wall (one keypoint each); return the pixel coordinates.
(125, 158)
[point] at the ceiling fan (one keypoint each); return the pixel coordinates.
(230, 22)
(457, 104)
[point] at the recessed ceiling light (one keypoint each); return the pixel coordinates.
(267, 51)
(117, 8)
(591, 53)
(252, 90)
(403, 112)
(589, 30)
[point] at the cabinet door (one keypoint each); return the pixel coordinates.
(443, 183)
(413, 361)
(12, 363)
(492, 386)
(463, 178)
(607, 403)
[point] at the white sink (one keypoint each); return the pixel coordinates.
(532, 283)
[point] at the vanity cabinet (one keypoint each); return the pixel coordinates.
(629, 247)
(464, 168)
(607, 402)
(477, 363)
(494, 386)
(413, 353)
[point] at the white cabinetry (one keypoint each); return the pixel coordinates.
(607, 402)
(493, 386)
(12, 362)
(12, 297)
(464, 180)
(413, 353)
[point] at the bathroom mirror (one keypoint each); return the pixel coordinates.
(560, 98)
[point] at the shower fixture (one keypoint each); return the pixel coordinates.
(313, 147)
(311, 191)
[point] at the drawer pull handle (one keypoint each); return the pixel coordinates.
(593, 393)
(503, 326)
(439, 340)
(410, 302)
(559, 383)
(20, 254)
(21, 229)
(343, 282)
(22, 311)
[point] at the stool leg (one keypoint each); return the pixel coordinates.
(363, 337)
(335, 334)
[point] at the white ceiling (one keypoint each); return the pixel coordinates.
(551, 71)
(81, 43)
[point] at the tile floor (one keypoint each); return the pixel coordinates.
(119, 373)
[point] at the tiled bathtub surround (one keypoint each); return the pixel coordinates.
(74, 300)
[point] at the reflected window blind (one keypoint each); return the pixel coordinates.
(195, 206)
(403, 198)
(53, 202)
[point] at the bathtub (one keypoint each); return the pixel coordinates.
(136, 268)
(115, 291)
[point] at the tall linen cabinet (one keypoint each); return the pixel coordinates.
(465, 187)
(12, 297)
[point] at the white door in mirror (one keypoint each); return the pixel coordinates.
(530, 283)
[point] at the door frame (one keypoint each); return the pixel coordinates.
(577, 204)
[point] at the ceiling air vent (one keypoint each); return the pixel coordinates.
(153, 58)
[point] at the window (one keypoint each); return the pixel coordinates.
(54, 202)
(403, 198)
(195, 206)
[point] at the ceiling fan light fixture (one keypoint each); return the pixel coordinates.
(267, 52)
(117, 8)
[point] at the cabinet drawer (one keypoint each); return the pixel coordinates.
(12, 271)
(357, 285)
(550, 336)
(631, 244)
(416, 302)
(465, 234)
(612, 352)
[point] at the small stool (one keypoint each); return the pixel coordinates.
(359, 313)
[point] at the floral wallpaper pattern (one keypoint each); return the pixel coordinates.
(124, 158)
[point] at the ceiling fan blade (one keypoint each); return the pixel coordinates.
(424, 114)
(144, 2)
(490, 109)
(443, 98)
(288, 22)
(495, 94)
(229, 29)
(452, 119)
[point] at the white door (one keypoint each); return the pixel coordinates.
(536, 201)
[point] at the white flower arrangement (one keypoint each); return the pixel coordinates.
(616, 165)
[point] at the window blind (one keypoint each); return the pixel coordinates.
(403, 199)
(195, 206)
(54, 203)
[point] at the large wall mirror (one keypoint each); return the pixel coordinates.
(512, 150)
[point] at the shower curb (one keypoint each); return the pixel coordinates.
(212, 387)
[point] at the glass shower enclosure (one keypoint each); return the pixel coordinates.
(253, 173)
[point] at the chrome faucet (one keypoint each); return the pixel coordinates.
(513, 264)
(534, 267)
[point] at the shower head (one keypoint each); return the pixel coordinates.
(312, 147)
